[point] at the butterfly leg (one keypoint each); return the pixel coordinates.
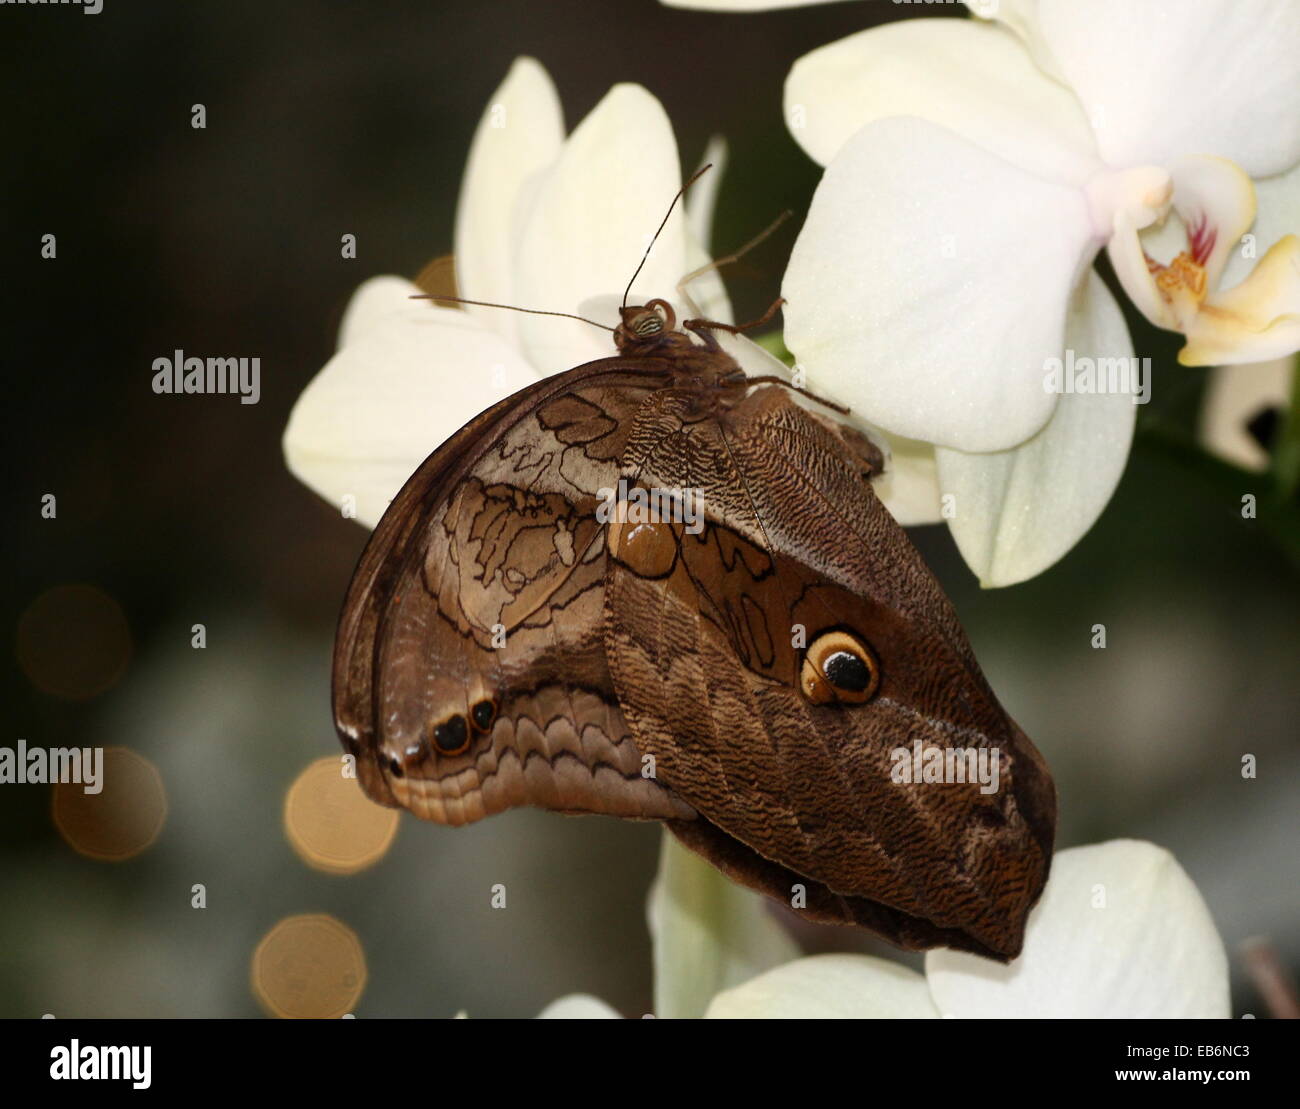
(683, 285)
(703, 327)
(718, 263)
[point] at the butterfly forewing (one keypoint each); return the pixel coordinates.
(470, 673)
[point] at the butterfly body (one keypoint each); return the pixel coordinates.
(652, 587)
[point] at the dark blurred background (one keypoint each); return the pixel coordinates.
(327, 118)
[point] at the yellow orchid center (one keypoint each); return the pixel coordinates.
(1255, 319)
(1181, 278)
(1184, 282)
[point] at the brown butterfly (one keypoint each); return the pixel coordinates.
(656, 588)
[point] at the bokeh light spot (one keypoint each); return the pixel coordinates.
(309, 966)
(120, 821)
(331, 823)
(73, 642)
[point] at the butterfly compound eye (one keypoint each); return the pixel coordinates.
(839, 667)
(649, 323)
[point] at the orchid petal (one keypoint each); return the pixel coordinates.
(911, 228)
(1234, 397)
(973, 78)
(1254, 321)
(520, 134)
(709, 933)
(758, 362)
(577, 1006)
(828, 986)
(1214, 197)
(909, 487)
(1128, 258)
(377, 303)
(1020, 16)
(705, 296)
(1017, 512)
(1277, 214)
(594, 215)
(390, 397)
(702, 198)
(706, 292)
(1121, 931)
(1164, 78)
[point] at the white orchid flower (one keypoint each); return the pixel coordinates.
(1120, 931)
(1238, 396)
(544, 222)
(974, 172)
(709, 935)
(578, 1006)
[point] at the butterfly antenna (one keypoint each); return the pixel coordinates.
(680, 192)
(509, 307)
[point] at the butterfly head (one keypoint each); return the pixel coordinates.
(645, 326)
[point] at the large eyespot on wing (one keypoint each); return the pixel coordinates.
(797, 646)
(839, 668)
(469, 671)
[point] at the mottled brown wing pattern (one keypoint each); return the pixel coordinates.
(469, 671)
(707, 639)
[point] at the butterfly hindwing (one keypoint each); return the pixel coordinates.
(709, 658)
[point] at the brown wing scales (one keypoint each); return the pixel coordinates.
(502, 646)
(470, 673)
(793, 551)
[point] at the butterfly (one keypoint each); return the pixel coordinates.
(656, 587)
